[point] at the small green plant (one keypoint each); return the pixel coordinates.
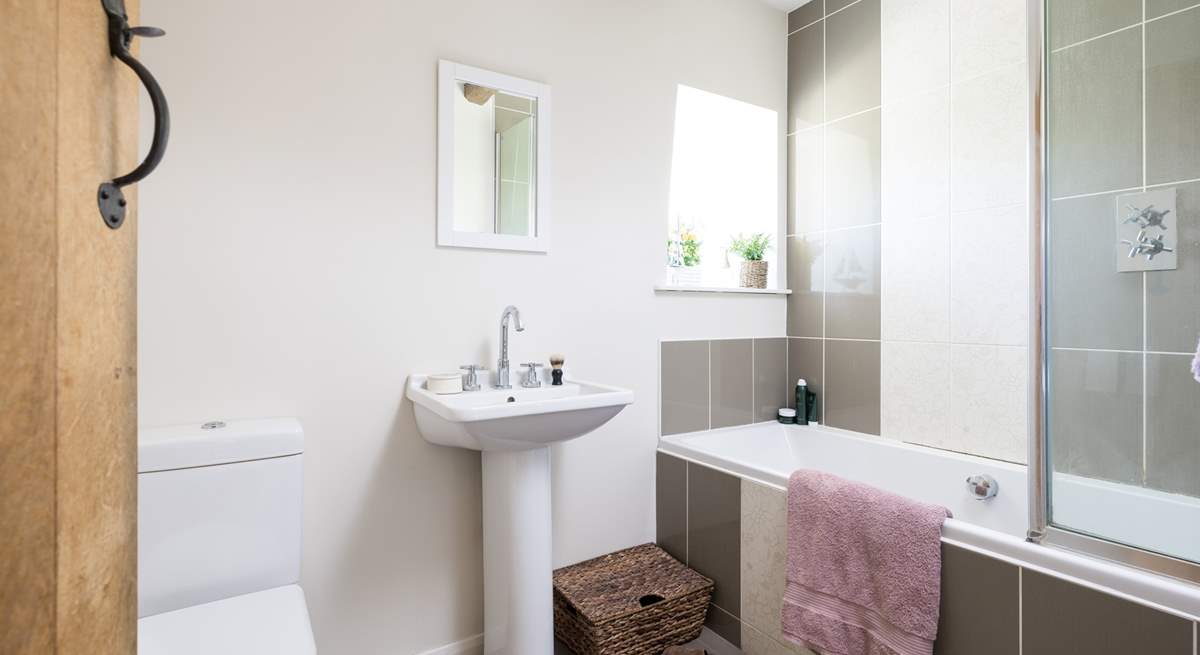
(687, 244)
(751, 248)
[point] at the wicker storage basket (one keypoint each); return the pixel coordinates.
(636, 601)
(754, 274)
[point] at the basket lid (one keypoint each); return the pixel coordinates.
(612, 586)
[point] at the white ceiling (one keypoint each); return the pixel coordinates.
(786, 5)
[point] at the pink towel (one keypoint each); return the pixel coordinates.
(864, 568)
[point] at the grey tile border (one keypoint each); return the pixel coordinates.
(685, 386)
(853, 78)
(732, 384)
(1060, 617)
(714, 532)
(724, 624)
(1172, 417)
(852, 380)
(1173, 93)
(853, 171)
(806, 78)
(1095, 414)
(853, 283)
(1072, 21)
(805, 15)
(806, 279)
(670, 505)
(806, 359)
(1095, 127)
(1091, 305)
(972, 622)
(770, 377)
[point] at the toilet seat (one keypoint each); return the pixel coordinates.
(271, 622)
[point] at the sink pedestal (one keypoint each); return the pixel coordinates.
(518, 612)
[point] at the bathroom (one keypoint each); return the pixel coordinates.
(285, 259)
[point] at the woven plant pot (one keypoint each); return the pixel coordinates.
(754, 274)
(636, 601)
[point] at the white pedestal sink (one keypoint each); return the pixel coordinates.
(515, 428)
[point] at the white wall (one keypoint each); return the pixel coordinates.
(288, 264)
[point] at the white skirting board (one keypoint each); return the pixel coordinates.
(468, 646)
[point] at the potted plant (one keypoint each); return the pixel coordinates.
(752, 249)
(683, 255)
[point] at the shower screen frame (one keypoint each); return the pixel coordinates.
(1042, 529)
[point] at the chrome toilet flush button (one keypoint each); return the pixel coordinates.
(212, 425)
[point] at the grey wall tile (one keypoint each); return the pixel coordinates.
(684, 379)
(806, 180)
(714, 532)
(770, 378)
(852, 171)
(805, 14)
(852, 385)
(806, 360)
(725, 624)
(1173, 93)
(1091, 304)
(834, 5)
(732, 383)
(670, 505)
(1172, 414)
(1071, 21)
(806, 78)
(1156, 8)
(852, 70)
(852, 283)
(806, 279)
(1060, 617)
(1173, 317)
(1096, 414)
(1095, 115)
(968, 626)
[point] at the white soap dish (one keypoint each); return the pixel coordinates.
(444, 383)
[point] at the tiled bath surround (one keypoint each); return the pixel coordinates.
(720, 383)
(908, 246)
(1125, 84)
(734, 530)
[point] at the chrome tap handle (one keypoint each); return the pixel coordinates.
(472, 382)
(531, 379)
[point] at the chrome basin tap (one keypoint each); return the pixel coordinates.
(503, 365)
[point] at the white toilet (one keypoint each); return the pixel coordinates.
(219, 512)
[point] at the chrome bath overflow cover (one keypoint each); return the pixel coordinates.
(213, 425)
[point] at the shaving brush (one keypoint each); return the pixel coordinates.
(556, 372)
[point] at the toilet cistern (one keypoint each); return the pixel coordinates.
(503, 365)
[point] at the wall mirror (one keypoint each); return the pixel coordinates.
(493, 160)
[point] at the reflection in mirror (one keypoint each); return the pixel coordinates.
(494, 161)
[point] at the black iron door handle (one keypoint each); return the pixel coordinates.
(120, 34)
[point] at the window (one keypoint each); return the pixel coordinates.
(724, 183)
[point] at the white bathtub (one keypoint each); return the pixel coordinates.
(768, 453)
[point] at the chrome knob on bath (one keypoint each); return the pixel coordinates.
(531, 379)
(983, 486)
(471, 383)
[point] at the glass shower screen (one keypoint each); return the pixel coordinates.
(1122, 272)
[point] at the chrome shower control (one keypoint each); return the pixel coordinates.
(983, 486)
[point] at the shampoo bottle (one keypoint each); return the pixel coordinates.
(801, 402)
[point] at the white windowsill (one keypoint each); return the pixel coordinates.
(687, 289)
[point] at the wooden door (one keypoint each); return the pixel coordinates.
(68, 411)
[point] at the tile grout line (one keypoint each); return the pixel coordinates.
(710, 385)
(1021, 610)
(1141, 24)
(825, 211)
(949, 214)
(1092, 194)
(1116, 350)
(753, 381)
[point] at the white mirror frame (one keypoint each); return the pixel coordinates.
(448, 74)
